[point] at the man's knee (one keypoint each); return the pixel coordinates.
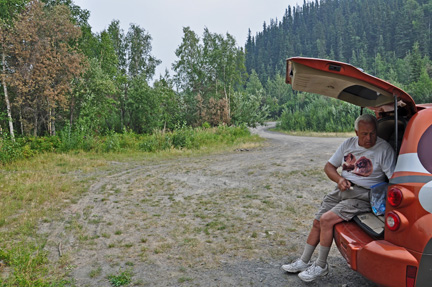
(329, 219)
(316, 224)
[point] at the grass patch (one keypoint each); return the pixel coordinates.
(123, 279)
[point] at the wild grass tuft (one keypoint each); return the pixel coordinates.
(123, 279)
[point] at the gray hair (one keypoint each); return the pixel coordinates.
(367, 118)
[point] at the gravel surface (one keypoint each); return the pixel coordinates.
(227, 219)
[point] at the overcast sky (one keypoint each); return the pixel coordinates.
(164, 19)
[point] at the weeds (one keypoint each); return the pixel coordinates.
(95, 272)
(124, 278)
(30, 266)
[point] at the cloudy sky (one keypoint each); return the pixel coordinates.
(164, 19)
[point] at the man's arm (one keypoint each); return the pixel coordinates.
(332, 173)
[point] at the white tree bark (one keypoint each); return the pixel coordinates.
(8, 107)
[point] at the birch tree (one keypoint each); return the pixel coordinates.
(8, 11)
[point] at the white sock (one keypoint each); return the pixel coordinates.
(322, 256)
(307, 253)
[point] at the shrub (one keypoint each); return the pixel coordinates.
(10, 151)
(41, 144)
(184, 138)
(112, 143)
(155, 142)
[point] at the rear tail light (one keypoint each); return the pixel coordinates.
(394, 196)
(411, 273)
(393, 221)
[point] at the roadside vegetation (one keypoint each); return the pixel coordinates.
(181, 138)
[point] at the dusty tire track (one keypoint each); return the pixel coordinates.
(217, 220)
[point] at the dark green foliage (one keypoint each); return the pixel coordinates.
(155, 142)
(316, 113)
(373, 35)
(10, 151)
(9, 10)
(388, 39)
(184, 138)
(40, 144)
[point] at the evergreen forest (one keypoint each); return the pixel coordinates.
(66, 84)
(388, 39)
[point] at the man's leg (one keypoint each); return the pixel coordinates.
(328, 221)
(320, 268)
(314, 234)
(330, 200)
(312, 241)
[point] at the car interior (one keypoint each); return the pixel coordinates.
(386, 131)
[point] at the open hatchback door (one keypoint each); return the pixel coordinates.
(394, 249)
(347, 83)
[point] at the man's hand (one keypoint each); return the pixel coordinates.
(344, 184)
(331, 171)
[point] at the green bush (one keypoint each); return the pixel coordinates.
(128, 140)
(44, 144)
(10, 151)
(112, 143)
(155, 142)
(184, 138)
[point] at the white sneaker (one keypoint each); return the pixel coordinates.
(313, 272)
(296, 266)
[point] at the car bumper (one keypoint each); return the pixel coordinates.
(378, 260)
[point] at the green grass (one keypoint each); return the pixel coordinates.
(123, 279)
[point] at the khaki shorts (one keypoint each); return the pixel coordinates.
(346, 204)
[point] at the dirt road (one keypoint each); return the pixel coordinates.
(228, 219)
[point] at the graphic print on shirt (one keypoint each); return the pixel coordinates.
(361, 167)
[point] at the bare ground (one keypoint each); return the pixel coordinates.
(227, 219)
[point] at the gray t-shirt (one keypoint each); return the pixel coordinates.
(364, 166)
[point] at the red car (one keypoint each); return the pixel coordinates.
(394, 249)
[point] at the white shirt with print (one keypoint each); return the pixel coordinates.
(364, 166)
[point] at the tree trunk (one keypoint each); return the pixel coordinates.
(36, 122)
(21, 121)
(8, 107)
(52, 122)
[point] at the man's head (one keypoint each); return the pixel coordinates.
(365, 128)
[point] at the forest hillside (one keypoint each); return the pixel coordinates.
(388, 39)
